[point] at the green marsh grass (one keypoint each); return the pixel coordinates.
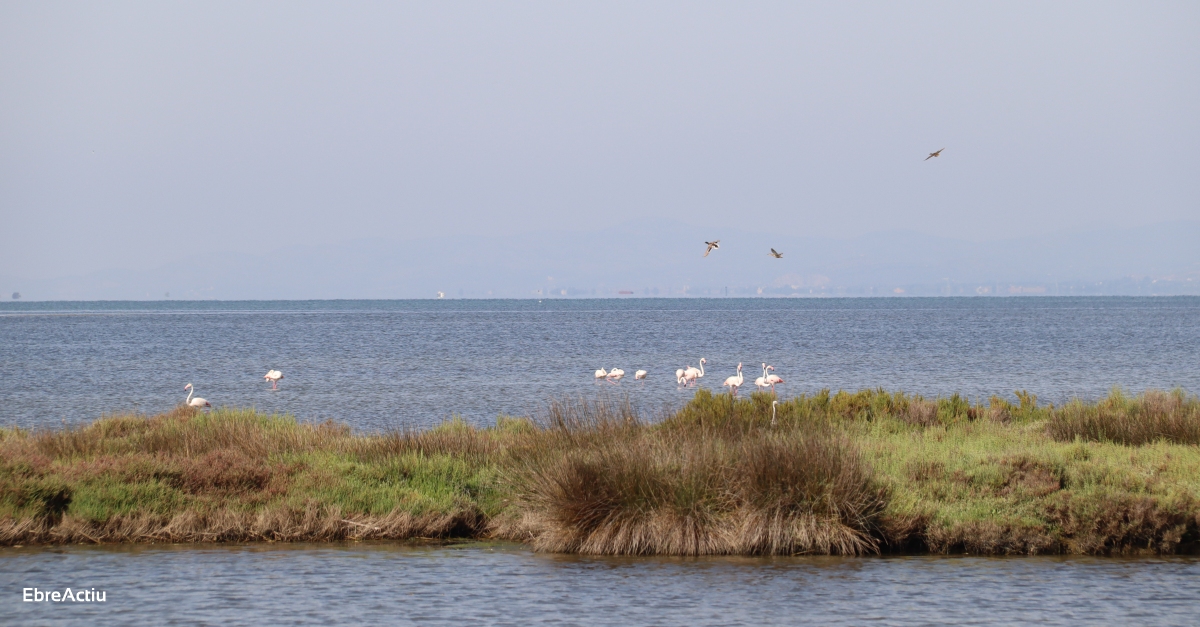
(1155, 415)
(840, 473)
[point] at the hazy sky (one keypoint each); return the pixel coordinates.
(136, 134)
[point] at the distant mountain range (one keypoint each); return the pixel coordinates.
(658, 258)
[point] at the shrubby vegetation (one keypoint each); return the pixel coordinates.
(838, 473)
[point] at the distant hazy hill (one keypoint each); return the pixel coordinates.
(665, 258)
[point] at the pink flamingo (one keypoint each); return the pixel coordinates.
(761, 382)
(772, 379)
(736, 381)
(695, 373)
(195, 402)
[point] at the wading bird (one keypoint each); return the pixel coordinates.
(761, 382)
(713, 245)
(640, 374)
(734, 382)
(772, 379)
(615, 374)
(679, 378)
(773, 404)
(195, 402)
(935, 154)
(601, 373)
(273, 376)
(775, 254)
(691, 374)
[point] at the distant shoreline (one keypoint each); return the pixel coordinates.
(25, 303)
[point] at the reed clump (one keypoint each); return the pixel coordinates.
(694, 489)
(1154, 415)
(834, 473)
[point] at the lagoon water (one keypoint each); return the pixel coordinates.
(376, 584)
(380, 365)
(399, 364)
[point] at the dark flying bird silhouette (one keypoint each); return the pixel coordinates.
(775, 254)
(934, 154)
(711, 246)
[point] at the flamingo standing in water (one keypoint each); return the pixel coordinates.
(615, 374)
(691, 374)
(273, 376)
(734, 382)
(679, 378)
(772, 379)
(761, 382)
(640, 374)
(601, 373)
(195, 402)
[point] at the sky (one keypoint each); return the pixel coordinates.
(134, 135)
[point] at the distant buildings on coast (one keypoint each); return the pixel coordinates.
(823, 288)
(786, 286)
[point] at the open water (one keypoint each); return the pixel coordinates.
(481, 584)
(380, 365)
(397, 364)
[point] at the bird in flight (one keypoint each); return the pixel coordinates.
(711, 246)
(775, 254)
(934, 154)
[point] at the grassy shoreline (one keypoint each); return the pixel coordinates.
(839, 473)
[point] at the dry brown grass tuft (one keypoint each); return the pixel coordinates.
(990, 537)
(1028, 477)
(1123, 523)
(312, 523)
(698, 491)
(227, 471)
(920, 412)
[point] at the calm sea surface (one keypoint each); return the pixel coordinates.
(507, 585)
(392, 364)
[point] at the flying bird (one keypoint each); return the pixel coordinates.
(713, 245)
(934, 154)
(775, 254)
(273, 376)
